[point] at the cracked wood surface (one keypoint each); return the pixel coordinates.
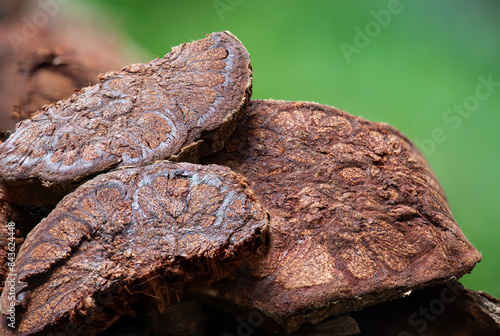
(177, 223)
(357, 215)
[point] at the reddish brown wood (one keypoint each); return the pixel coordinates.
(357, 215)
(143, 113)
(150, 230)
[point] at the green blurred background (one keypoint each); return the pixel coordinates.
(409, 69)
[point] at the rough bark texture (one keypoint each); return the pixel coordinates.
(150, 230)
(143, 113)
(357, 216)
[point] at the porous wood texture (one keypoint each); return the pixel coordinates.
(143, 113)
(357, 215)
(164, 225)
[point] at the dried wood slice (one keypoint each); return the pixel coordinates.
(134, 228)
(357, 215)
(143, 113)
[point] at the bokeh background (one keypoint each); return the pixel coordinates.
(408, 63)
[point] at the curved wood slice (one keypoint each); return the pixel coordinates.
(176, 223)
(143, 113)
(357, 215)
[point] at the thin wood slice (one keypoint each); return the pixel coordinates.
(145, 112)
(148, 230)
(357, 215)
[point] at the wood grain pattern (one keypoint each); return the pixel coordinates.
(143, 113)
(357, 215)
(178, 223)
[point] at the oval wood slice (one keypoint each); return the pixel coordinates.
(130, 231)
(357, 215)
(145, 112)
